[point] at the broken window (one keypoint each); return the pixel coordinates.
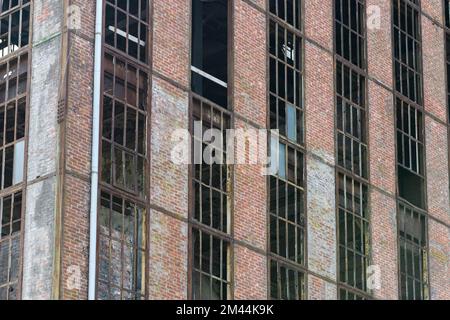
(353, 232)
(211, 183)
(352, 151)
(410, 152)
(14, 25)
(10, 237)
(290, 11)
(13, 89)
(211, 179)
(210, 50)
(122, 243)
(126, 27)
(351, 120)
(286, 83)
(287, 211)
(286, 283)
(124, 125)
(122, 249)
(350, 31)
(412, 226)
(407, 49)
(210, 277)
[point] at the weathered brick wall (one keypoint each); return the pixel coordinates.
(319, 115)
(42, 151)
(250, 194)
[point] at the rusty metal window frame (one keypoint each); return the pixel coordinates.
(136, 101)
(211, 116)
(350, 31)
(351, 120)
(19, 14)
(413, 253)
(13, 133)
(122, 238)
(354, 245)
(286, 283)
(117, 146)
(289, 11)
(407, 49)
(141, 33)
(446, 8)
(352, 165)
(286, 61)
(410, 124)
(287, 255)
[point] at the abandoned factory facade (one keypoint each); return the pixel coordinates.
(92, 205)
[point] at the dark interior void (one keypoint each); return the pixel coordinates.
(209, 49)
(411, 187)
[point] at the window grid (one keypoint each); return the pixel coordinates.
(286, 283)
(353, 234)
(127, 28)
(410, 138)
(124, 125)
(10, 238)
(290, 11)
(211, 188)
(287, 227)
(122, 249)
(407, 50)
(413, 253)
(350, 31)
(412, 224)
(352, 175)
(351, 120)
(14, 26)
(286, 83)
(211, 255)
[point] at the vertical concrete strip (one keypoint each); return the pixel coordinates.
(321, 181)
(42, 150)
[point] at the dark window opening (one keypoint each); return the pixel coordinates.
(210, 277)
(126, 27)
(290, 11)
(210, 50)
(14, 26)
(286, 283)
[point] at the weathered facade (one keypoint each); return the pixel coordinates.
(357, 89)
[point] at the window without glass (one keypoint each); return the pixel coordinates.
(211, 178)
(410, 152)
(126, 27)
(210, 279)
(413, 253)
(124, 125)
(210, 50)
(211, 191)
(290, 11)
(286, 83)
(350, 31)
(14, 25)
(351, 120)
(122, 249)
(353, 236)
(286, 283)
(407, 50)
